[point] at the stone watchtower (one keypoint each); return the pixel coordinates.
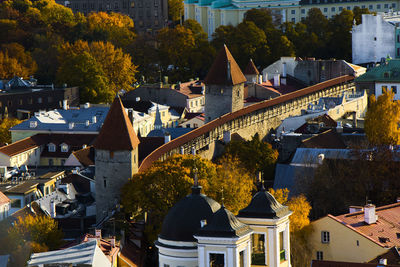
(224, 86)
(116, 158)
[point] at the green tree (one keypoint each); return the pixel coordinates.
(263, 157)
(340, 27)
(157, 189)
(358, 11)
(175, 10)
(382, 120)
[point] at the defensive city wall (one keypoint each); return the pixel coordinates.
(257, 118)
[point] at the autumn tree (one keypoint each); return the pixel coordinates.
(254, 155)
(166, 182)
(300, 227)
(175, 10)
(28, 235)
(23, 57)
(5, 125)
(100, 69)
(382, 120)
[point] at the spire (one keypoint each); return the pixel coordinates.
(157, 121)
(117, 132)
(251, 69)
(224, 70)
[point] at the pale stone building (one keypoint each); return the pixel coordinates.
(198, 231)
(116, 158)
(224, 86)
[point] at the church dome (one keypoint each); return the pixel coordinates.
(264, 205)
(183, 219)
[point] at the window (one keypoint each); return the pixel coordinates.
(241, 258)
(51, 163)
(363, 6)
(348, 8)
(340, 8)
(258, 249)
(358, 243)
(384, 88)
(166, 265)
(64, 148)
(320, 255)
(303, 11)
(325, 9)
(393, 5)
(156, 13)
(394, 89)
(9, 103)
(15, 203)
(333, 9)
(30, 101)
(116, 5)
(281, 247)
(378, 6)
(39, 100)
(156, 3)
(293, 20)
(49, 99)
(20, 102)
(325, 237)
(293, 12)
(62, 162)
(217, 260)
(105, 183)
(46, 191)
(370, 7)
(52, 148)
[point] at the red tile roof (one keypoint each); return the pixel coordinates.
(190, 89)
(156, 154)
(85, 156)
(220, 74)
(251, 69)
(22, 145)
(3, 199)
(117, 132)
(383, 232)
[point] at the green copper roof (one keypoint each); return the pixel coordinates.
(386, 72)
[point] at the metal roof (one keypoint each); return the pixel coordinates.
(309, 156)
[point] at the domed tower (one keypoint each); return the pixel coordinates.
(270, 222)
(116, 158)
(224, 86)
(176, 244)
(224, 241)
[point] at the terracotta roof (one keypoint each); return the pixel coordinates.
(384, 232)
(156, 154)
(219, 73)
(117, 132)
(190, 89)
(85, 156)
(316, 263)
(22, 145)
(4, 199)
(251, 69)
(327, 139)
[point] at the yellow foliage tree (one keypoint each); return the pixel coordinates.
(300, 227)
(166, 182)
(10, 67)
(5, 125)
(382, 120)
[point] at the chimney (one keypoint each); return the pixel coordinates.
(167, 138)
(87, 123)
(339, 128)
(130, 115)
(98, 233)
(87, 105)
(52, 209)
(321, 158)
(71, 125)
(203, 223)
(260, 79)
(284, 70)
(137, 99)
(112, 241)
(65, 104)
(383, 261)
(227, 137)
(369, 214)
(277, 82)
(94, 119)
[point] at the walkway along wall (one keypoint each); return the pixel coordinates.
(258, 118)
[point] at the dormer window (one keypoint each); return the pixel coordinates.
(64, 147)
(52, 147)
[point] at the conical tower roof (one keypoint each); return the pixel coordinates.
(224, 70)
(251, 69)
(117, 132)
